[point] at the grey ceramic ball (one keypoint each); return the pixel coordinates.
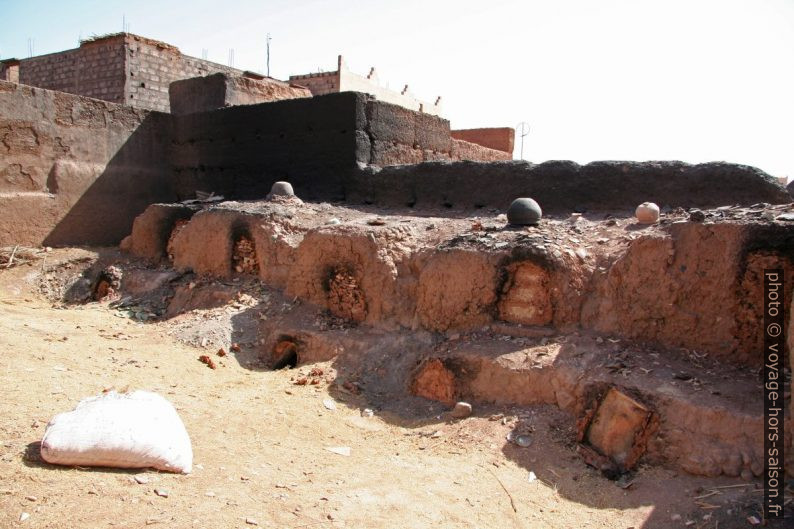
(282, 189)
(524, 212)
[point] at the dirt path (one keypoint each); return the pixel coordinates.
(260, 445)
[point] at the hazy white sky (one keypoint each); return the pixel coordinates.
(695, 80)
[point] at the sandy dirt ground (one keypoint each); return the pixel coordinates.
(261, 443)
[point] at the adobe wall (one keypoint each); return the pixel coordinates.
(240, 151)
(317, 144)
(464, 150)
(500, 139)
(564, 186)
(75, 170)
(221, 90)
(401, 136)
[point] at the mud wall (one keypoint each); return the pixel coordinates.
(75, 170)
(240, 151)
(564, 186)
(220, 90)
(500, 139)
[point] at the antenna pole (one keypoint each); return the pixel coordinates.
(523, 130)
(268, 54)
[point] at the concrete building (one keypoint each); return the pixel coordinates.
(343, 80)
(121, 68)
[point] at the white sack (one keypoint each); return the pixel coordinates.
(130, 430)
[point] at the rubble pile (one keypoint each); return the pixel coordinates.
(345, 298)
(108, 285)
(244, 256)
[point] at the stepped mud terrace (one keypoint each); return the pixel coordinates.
(472, 308)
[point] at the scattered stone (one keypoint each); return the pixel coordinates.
(221, 352)
(31, 498)
(581, 253)
(24, 516)
(161, 492)
(523, 441)
(695, 215)
(251, 521)
(753, 520)
(209, 494)
(524, 212)
(141, 479)
(367, 412)
(785, 216)
(647, 213)
(675, 517)
(281, 189)
(339, 450)
(532, 477)
(461, 410)
(205, 359)
(329, 404)
(235, 347)
(333, 221)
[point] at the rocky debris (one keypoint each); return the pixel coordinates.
(205, 359)
(524, 212)
(281, 189)
(244, 256)
(161, 492)
(461, 410)
(345, 298)
(108, 284)
(695, 215)
(647, 213)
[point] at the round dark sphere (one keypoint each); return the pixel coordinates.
(524, 212)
